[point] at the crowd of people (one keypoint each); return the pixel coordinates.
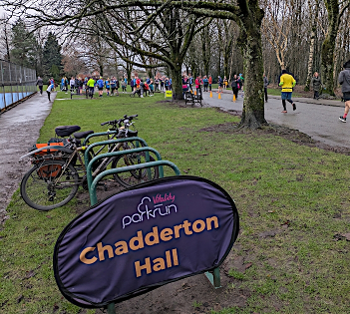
(205, 83)
(142, 87)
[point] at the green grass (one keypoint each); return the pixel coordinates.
(297, 191)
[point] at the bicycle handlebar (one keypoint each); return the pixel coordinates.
(118, 122)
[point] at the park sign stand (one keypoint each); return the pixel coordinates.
(144, 237)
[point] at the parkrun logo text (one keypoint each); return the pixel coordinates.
(151, 208)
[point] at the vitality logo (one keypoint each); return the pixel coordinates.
(149, 208)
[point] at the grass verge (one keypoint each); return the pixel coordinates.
(290, 198)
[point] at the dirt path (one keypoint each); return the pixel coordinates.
(19, 129)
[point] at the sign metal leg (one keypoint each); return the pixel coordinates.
(214, 277)
(111, 308)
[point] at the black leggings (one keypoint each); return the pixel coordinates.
(284, 103)
(235, 92)
(48, 95)
(265, 92)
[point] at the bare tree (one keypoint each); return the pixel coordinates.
(5, 38)
(176, 21)
(276, 27)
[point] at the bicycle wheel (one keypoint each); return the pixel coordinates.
(134, 177)
(49, 185)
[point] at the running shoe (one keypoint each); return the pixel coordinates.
(342, 119)
(294, 107)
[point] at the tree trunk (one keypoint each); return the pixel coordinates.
(177, 83)
(101, 69)
(253, 115)
(226, 65)
(311, 59)
(328, 46)
(336, 58)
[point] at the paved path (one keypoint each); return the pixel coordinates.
(319, 119)
(19, 130)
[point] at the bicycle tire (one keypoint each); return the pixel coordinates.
(38, 190)
(133, 177)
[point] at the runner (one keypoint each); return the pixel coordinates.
(40, 83)
(91, 86)
(72, 84)
(221, 83)
(113, 85)
(49, 91)
(108, 86)
(344, 81)
(287, 82)
(100, 84)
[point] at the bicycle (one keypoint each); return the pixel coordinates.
(57, 173)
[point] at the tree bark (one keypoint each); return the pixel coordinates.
(328, 46)
(176, 83)
(253, 115)
(311, 59)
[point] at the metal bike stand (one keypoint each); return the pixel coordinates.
(121, 153)
(99, 134)
(119, 140)
(92, 188)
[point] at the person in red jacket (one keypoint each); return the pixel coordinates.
(210, 81)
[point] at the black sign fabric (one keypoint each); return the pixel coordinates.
(143, 238)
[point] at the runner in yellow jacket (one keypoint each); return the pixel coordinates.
(287, 82)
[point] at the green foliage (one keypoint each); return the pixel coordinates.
(55, 72)
(26, 49)
(52, 58)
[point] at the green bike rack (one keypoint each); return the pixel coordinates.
(127, 139)
(121, 153)
(99, 134)
(214, 275)
(92, 188)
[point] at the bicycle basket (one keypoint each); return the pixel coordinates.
(50, 171)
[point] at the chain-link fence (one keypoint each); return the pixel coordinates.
(17, 83)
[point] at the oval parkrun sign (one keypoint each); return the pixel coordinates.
(144, 237)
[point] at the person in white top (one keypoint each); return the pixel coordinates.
(49, 90)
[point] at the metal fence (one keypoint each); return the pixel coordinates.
(17, 83)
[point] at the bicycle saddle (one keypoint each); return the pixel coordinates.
(66, 130)
(80, 135)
